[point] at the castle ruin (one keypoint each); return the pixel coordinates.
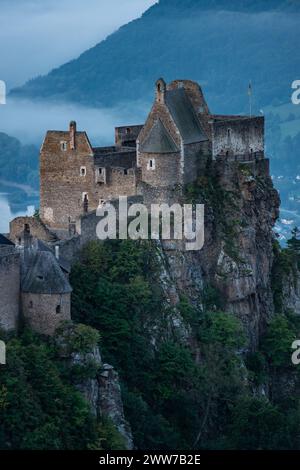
(153, 162)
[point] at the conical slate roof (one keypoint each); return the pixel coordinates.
(63, 263)
(44, 276)
(159, 140)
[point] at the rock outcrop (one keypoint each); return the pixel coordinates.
(241, 208)
(100, 387)
(103, 392)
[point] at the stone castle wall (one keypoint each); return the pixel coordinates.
(196, 156)
(62, 182)
(37, 229)
(9, 288)
(238, 136)
(119, 182)
(165, 171)
(41, 313)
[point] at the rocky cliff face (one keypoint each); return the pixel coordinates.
(291, 293)
(101, 387)
(241, 208)
(103, 392)
(172, 316)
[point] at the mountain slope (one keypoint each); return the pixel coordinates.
(221, 46)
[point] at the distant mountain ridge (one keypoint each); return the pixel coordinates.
(235, 5)
(221, 44)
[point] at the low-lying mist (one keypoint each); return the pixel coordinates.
(29, 121)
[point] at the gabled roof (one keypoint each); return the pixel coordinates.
(44, 276)
(5, 241)
(159, 140)
(184, 116)
(54, 137)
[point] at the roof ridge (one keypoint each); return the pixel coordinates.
(185, 116)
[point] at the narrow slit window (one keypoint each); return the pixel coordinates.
(151, 164)
(63, 146)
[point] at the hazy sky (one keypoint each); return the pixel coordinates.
(37, 35)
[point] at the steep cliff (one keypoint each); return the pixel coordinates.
(201, 346)
(241, 208)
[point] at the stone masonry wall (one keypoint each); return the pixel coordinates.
(62, 184)
(238, 136)
(120, 182)
(36, 226)
(9, 288)
(195, 160)
(166, 171)
(39, 311)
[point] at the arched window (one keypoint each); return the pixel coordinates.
(58, 309)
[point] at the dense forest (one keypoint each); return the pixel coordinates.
(228, 398)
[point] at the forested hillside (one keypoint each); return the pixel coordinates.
(220, 44)
(18, 163)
